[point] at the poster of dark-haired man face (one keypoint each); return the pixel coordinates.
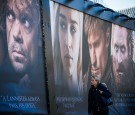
(123, 69)
(122, 58)
(22, 87)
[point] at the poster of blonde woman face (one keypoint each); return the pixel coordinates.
(69, 38)
(67, 47)
(67, 55)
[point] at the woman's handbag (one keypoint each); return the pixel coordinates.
(107, 101)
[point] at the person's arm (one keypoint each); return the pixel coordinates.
(105, 92)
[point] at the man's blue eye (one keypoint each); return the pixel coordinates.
(116, 48)
(123, 49)
(10, 15)
(27, 24)
(26, 21)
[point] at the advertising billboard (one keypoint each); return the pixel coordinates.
(49, 53)
(82, 46)
(67, 25)
(22, 74)
(96, 57)
(123, 66)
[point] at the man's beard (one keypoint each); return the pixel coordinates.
(19, 63)
(122, 80)
(121, 76)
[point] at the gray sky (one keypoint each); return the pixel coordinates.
(119, 4)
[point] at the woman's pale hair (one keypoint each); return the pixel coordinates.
(58, 68)
(96, 78)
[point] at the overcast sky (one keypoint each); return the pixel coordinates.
(119, 4)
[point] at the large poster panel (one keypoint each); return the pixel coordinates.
(96, 56)
(96, 48)
(66, 28)
(108, 52)
(82, 46)
(123, 69)
(22, 78)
